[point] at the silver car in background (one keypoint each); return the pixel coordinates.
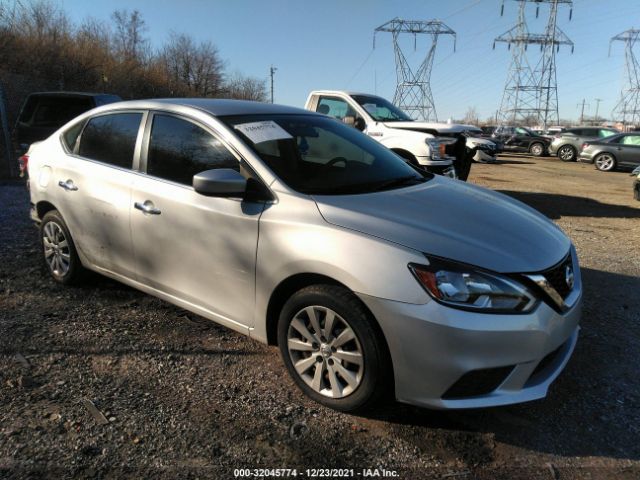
(567, 145)
(620, 151)
(372, 277)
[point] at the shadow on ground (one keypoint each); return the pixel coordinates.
(556, 205)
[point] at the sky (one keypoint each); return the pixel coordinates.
(328, 44)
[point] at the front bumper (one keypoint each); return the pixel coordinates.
(433, 348)
(553, 148)
(485, 156)
(435, 161)
(586, 157)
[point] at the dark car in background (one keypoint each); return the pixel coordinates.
(521, 139)
(618, 151)
(567, 145)
(42, 113)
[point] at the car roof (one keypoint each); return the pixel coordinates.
(71, 94)
(216, 107)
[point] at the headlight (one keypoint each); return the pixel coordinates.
(464, 287)
(438, 149)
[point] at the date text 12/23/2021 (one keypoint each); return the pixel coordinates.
(314, 473)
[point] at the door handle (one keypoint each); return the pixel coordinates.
(68, 185)
(147, 207)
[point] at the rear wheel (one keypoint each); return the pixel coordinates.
(536, 149)
(59, 251)
(567, 153)
(334, 353)
(605, 162)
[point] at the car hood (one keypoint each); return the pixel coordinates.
(422, 127)
(452, 219)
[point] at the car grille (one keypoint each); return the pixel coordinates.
(556, 277)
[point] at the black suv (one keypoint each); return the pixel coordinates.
(521, 139)
(43, 113)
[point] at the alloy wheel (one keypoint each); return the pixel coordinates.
(605, 162)
(325, 351)
(536, 149)
(57, 253)
(566, 153)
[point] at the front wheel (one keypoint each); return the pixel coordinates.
(605, 162)
(333, 351)
(536, 149)
(59, 251)
(567, 153)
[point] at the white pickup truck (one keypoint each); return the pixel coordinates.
(420, 143)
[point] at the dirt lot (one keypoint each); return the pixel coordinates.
(184, 398)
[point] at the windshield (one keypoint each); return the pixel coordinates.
(314, 154)
(381, 110)
(525, 131)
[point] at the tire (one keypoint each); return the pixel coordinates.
(567, 153)
(346, 368)
(58, 250)
(536, 149)
(605, 162)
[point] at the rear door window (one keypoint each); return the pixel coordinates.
(111, 138)
(180, 149)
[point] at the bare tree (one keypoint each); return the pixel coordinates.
(246, 88)
(129, 41)
(471, 117)
(196, 68)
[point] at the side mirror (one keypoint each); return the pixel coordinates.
(354, 121)
(220, 182)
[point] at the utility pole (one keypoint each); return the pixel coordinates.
(272, 71)
(598, 100)
(413, 90)
(582, 111)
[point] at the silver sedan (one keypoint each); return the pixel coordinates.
(372, 277)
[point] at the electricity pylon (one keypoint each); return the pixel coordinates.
(413, 90)
(531, 91)
(628, 107)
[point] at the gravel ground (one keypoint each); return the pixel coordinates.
(179, 396)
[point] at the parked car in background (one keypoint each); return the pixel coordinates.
(567, 145)
(521, 139)
(636, 183)
(43, 113)
(617, 151)
(372, 277)
(387, 124)
(487, 130)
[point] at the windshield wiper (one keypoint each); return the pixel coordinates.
(398, 182)
(368, 187)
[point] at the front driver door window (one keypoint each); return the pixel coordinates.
(335, 107)
(197, 248)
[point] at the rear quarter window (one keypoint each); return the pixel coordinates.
(70, 136)
(111, 138)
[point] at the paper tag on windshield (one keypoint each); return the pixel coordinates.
(264, 131)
